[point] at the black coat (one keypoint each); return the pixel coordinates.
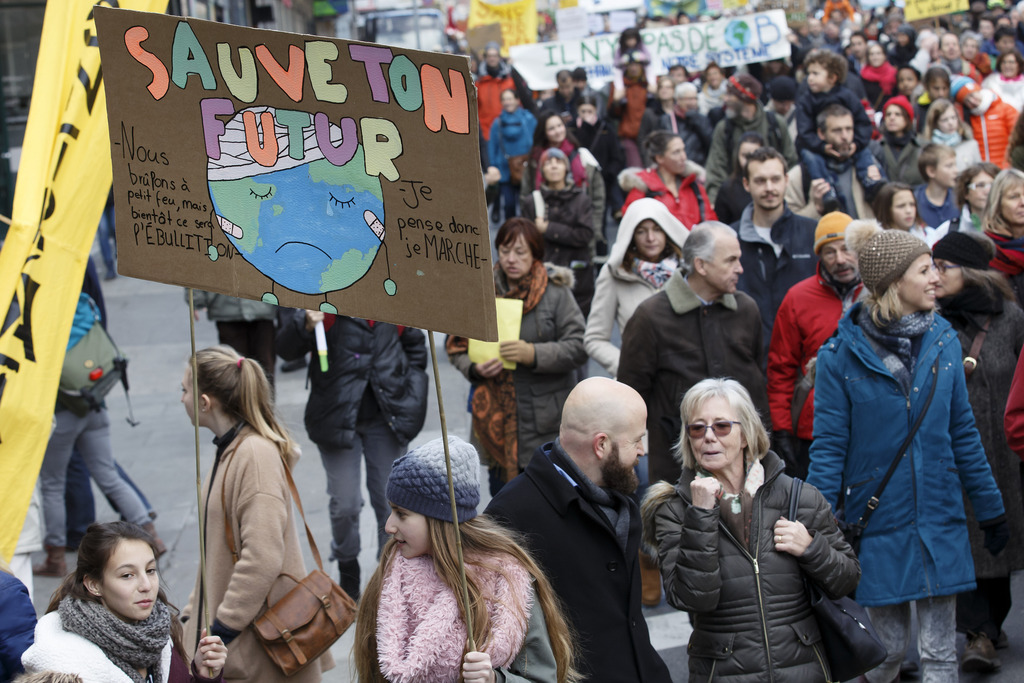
(388, 360)
(598, 583)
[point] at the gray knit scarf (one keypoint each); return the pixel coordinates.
(128, 645)
(894, 342)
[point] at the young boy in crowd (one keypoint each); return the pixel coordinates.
(936, 202)
(826, 72)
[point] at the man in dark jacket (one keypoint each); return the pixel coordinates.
(572, 503)
(777, 245)
(698, 326)
(369, 402)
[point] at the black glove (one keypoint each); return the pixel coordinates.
(997, 534)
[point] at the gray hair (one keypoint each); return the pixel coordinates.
(700, 244)
(684, 89)
(738, 398)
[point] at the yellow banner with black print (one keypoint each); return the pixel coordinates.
(63, 180)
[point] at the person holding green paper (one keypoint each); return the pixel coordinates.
(367, 401)
(515, 411)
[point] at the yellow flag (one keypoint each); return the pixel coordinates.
(63, 180)
(518, 21)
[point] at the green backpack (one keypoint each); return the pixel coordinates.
(93, 364)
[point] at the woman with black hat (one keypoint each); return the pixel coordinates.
(980, 305)
(893, 375)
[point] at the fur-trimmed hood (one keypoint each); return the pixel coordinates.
(559, 275)
(657, 495)
(630, 178)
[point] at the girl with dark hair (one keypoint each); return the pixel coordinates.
(247, 492)
(732, 196)
(517, 397)
(980, 305)
(109, 621)
(586, 171)
(895, 208)
(411, 625)
(595, 135)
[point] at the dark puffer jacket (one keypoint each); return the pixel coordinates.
(391, 360)
(752, 619)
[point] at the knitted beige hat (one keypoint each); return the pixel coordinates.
(882, 255)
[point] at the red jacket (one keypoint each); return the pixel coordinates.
(488, 97)
(808, 316)
(691, 206)
(992, 131)
(1013, 421)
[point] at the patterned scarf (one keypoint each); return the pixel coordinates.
(495, 422)
(421, 637)
(128, 645)
(894, 343)
(656, 273)
(1009, 254)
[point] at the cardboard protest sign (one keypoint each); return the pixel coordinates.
(923, 9)
(518, 20)
(796, 10)
(759, 37)
(303, 171)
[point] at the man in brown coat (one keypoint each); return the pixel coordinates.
(698, 326)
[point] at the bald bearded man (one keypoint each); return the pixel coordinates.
(573, 506)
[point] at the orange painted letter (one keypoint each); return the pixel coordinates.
(440, 103)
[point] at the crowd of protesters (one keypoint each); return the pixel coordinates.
(808, 261)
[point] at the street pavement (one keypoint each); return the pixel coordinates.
(151, 324)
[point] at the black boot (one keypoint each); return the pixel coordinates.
(349, 579)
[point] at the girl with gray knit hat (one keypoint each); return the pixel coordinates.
(893, 374)
(411, 626)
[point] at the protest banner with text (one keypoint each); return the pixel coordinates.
(518, 20)
(738, 40)
(298, 170)
(924, 9)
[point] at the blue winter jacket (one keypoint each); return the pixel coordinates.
(515, 132)
(915, 545)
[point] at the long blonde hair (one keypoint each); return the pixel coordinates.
(992, 218)
(241, 387)
(482, 538)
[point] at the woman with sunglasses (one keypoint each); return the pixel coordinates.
(729, 556)
(893, 374)
(980, 305)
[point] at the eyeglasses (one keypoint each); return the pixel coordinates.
(720, 428)
(946, 266)
(979, 186)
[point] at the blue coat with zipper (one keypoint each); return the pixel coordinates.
(915, 546)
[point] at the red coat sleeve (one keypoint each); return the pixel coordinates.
(1013, 420)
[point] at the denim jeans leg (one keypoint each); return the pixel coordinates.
(79, 505)
(380, 448)
(892, 623)
(510, 198)
(936, 639)
(341, 466)
(53, 475)
(94, 444)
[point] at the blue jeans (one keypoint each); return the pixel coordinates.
(90, 434)
(936, 639)
(817, 166)
(108, 240)
(510, 198)
(79, 506)
(376, 443)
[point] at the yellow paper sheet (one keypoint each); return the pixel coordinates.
(510, 318)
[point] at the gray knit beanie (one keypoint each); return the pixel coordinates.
(883, 255)
(419, 480)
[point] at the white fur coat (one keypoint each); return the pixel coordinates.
(58, 650)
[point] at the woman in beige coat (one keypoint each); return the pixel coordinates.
(246, 490)
(645, 254)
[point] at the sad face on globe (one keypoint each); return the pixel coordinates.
(307, 224)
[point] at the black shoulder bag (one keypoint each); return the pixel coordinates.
(853, 531)
(851, 644)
